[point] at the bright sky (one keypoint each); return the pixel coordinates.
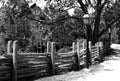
(0, 4)
(40, 3)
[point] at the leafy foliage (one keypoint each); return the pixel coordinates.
(21, 21)
(12, 26)
(112, 17)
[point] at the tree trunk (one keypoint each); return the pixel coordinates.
(89, 33)
(96, 29)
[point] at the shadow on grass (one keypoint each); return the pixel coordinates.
(114, 53)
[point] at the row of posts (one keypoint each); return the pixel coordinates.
(99, 45)
(50, 49)
(9, 46)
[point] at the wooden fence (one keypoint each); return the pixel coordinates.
(5, 69)
(49, 63)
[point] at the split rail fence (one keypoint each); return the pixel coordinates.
(21, 65)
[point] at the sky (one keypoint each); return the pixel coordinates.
(40, 3)
(0, 4)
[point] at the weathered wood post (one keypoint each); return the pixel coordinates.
(14, 61)
(97, 48)
(98, 51)
(53, 58)
(101, 51)
(48, 47)
(90, 45)
(78, 56)
(9, 47)
(73, 47)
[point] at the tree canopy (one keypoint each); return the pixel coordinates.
(54, 18)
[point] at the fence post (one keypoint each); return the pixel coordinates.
(73, 46)
(9, 47)
(78, 55)
(53, 57)
(48, 47)
(90, 44)
(98, 48)
(14, 60)
(83, 45)
(100, 44)
(101, 51)
(90, 49)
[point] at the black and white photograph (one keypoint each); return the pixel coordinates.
(59, 40)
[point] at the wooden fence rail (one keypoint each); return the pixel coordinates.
(45, 64)
(5, 69)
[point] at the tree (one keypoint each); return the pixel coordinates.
(97, 6)
(14, 27)
(112, 19)
(65, 28)
(67, 31)
(59, 22)
(58, 6)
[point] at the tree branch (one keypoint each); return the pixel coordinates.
(108, 26)
(103, 31)
(98, 3)
(56, 21)
(102, 6)
(95, 1)
(72, 7)
(83, 7)
(91, 3)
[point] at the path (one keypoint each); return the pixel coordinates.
(109, 70)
